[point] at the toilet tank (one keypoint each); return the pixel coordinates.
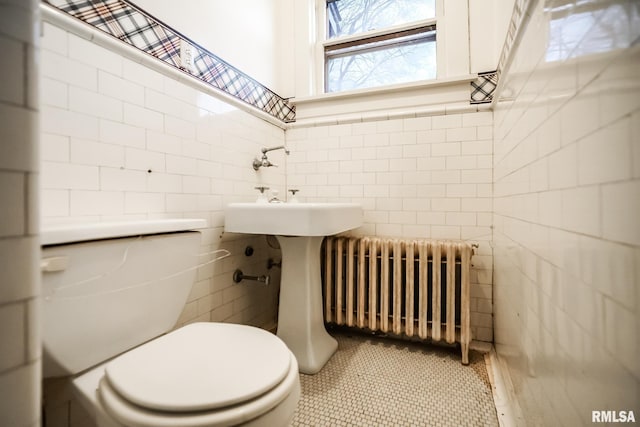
(109, 287)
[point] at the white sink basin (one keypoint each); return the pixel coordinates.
(292, 219)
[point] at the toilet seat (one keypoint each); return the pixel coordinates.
(204, 374)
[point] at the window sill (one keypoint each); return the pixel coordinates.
(403, 100)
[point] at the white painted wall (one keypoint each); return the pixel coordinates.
(452, 38)
(502, 11)
(248, 34)
(488, 22)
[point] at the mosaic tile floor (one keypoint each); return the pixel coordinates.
(373, 381)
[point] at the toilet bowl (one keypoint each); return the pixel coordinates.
(184, 379)
(108, 304)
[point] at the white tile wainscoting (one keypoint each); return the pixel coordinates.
(422, 177)
(122, 141)
(566, 208)
(20, 354)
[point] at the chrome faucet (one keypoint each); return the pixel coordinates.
(264, 161)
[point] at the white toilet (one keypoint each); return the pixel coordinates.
(110, 293)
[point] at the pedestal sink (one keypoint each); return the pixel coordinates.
(299, 228)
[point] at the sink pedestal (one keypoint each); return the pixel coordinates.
(300, 228)
(300, 319)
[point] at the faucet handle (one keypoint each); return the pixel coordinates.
(261, 189)
(293, 191)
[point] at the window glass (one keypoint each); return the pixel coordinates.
(348, 17)
(383, 62)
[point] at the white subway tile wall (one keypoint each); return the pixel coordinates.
(567, 204)
(424, 177)
(121, 141)
(560, 182)
(20, 357)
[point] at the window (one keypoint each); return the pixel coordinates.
(371, 43)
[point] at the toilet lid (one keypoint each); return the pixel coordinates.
(201, 366)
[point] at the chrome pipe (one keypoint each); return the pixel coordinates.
(238, 277)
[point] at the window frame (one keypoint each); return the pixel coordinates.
(325, 44)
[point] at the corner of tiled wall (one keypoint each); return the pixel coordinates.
(215, 297)
(19, 245)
